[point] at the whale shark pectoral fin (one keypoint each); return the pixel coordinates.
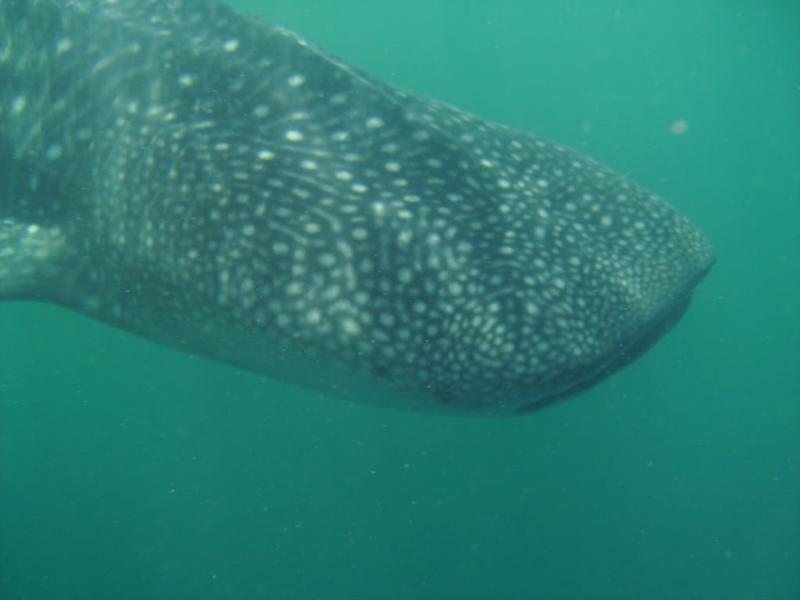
(30, 255)
(33, 241)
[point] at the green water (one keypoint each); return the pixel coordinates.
(129, 471)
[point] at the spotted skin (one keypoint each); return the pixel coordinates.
(221, 185)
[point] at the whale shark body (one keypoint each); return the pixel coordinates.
(220, 185)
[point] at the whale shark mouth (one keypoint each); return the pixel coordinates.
(627, 353)
(628, 350)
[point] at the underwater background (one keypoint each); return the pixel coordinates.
(132, 471)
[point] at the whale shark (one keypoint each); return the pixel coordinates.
(220, 185)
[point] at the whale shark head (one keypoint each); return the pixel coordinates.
(223, 186)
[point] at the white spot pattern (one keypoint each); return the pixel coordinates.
(249, 185)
